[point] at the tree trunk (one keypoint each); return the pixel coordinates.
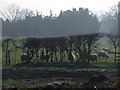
(56, 59)
(115, 54)
(60, 57)
(51, 56)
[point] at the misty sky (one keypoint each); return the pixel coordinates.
(56, 6)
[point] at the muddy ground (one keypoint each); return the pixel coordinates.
(77, 77)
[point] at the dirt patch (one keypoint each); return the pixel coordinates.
(80, 78)
(36, 74)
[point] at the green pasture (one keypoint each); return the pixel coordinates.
(67, 67)
(102, 64)
(101, 43)
(24, 83)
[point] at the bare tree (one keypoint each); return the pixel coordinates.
(109, 21)
(11, 12)
(27, 13)
(14, 13)
(114, 41)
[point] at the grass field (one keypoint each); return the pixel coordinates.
(32, 75)
(101, 43)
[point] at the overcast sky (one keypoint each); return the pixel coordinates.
(45, 6)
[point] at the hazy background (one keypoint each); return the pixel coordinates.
(44, 6)
(45, 17)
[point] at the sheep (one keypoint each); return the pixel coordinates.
(113, 52)
(71, 57)
(117, 52)
(106, 50)
(92, 57)
(25, 58)
(102, 54)
(44, 56)
(19, 46)
(110, 52)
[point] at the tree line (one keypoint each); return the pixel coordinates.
(57, 47)
(28, 23)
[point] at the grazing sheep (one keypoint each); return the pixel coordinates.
(111, 52)
(92, 57)
(106, 50)
(117, 52)
(70, 57)
(19, 46)
(102, 54)
(44, 56)
(25, 58)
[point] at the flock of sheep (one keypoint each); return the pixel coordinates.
(71, 56)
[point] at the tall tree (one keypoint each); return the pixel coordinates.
(12, 12)
(114, 41)
(109, 21)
